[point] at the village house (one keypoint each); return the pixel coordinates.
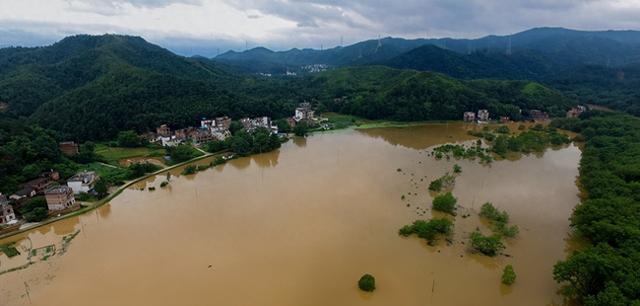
(7, 216)
(184, 134)
(53, 175)
(25, 192)
(82, 182)
(163, 131)
(59, 198)
(469, 117)
(201, 136)
(575, 112)
(504, 119)
(251, 125)
(69, 148)
(304, 112)
(223, 123)
(207, 123)
(39, 185)
(538, 115)
(483, 115)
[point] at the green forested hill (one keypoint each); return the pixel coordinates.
(382, 92)
(91, 87)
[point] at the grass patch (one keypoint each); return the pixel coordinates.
(113, 155)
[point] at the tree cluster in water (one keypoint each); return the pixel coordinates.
(501, 142)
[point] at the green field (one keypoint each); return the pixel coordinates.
(113, 155)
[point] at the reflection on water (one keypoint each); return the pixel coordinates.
(300, 141)
(424, 136)
(300, 226)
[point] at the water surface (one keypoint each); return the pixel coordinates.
(300, 225)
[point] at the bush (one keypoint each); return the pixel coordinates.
(445, 203)
(457, 169)
(508, 275)
(129, 139)
(499, 220)
(428, 230)
(182, 153)
(487, 245)
(190, 169)
(9, 250)
(490, 212)
(216, 146)
(367, 283)
(503, 129)
(301, 130)
(436, 185)
(37, 214)
(218, 161)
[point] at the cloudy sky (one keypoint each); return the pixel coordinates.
(207, 27)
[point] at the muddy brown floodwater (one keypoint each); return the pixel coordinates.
(299, 226)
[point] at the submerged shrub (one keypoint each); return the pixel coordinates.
(488, 245)
(508, 275)
(445, 203)
(367, 283)
(428, 230)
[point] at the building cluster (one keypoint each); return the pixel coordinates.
(575, 112)
(218, 129)
(481, 117)
(251, 125)
(209, 130)
(58, 195)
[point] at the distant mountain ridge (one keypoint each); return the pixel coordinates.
(572, 47)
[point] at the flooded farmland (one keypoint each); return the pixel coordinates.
(300, 225)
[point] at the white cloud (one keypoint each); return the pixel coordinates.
(303, 23)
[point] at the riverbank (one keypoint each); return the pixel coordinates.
(106, 199)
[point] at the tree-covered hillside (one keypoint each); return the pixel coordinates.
(382, 92)
(91, 87)
(607, 270)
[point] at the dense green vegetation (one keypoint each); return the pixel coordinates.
(428, 230)
(244, 143)
(508, 275)
(537, 139)
(182, 153)
(458, 151)
(367, 283)
(487, 245)
(378, 92)
(445, 203)
(34, 210)
(26, 151)
(606, 272)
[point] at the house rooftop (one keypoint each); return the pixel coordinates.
(59, 190)
(85, 177)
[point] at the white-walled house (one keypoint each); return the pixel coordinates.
(82, 182)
